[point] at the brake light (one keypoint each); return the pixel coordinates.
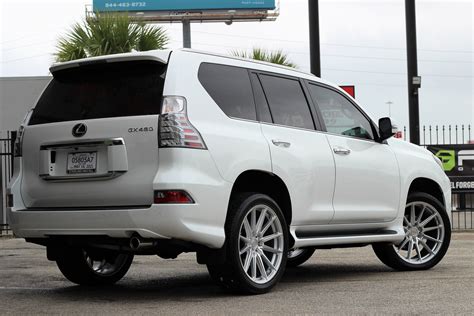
(172, 196)
(175, 129)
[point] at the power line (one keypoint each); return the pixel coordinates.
(334, 44)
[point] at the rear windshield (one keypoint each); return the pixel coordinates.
(100, 91)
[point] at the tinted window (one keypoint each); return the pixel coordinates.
(262, 105)
(340, 116)
(230, 88)
(287, 102)
(102, 90)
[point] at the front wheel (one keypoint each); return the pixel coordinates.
(427, 236)
(257, 245)
(86, 266)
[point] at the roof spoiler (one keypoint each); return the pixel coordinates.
(162, 57)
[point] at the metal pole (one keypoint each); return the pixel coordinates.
(186, 34)
(389, 108)
(412, 62)
(314, 41)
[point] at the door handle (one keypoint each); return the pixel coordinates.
(280, 143)
(341, 151)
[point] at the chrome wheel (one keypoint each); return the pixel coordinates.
(261, 244)
(424, 233)
(105, 265)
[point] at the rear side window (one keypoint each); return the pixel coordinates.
(287, 102)
(230, 88)
(100, 91)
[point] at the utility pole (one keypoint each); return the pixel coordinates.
(389, 103)
(314, 40)
(186, 34)
(414, 81)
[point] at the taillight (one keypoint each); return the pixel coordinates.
(172, 196)
(175, 130)
(17, 146)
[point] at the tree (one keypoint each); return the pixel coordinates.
(275, 57)
(109, 33)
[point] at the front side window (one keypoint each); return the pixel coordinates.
(230, 88)
(287, 102)
(340, 116)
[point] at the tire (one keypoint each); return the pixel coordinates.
(427, 236)
(92, 266)
(299, 256)
(250, 256)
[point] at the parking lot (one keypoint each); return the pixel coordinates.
(341, 281)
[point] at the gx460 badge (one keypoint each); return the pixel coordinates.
(140, 129)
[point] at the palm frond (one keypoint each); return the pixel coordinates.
(275, 57)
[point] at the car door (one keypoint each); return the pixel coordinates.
(300, 155)
(367, 186)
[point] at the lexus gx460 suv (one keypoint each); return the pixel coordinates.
(252, 166)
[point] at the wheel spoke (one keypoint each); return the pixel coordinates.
(418, 251)
(426, 247)
(267, 262)
(254, 266)
(421, 214)
(426, 221)
(432, 239)
(253, 221)
(432, 228)
(247, 262)
(267, 226)
(261, 267)
(403, 244)
(405, 220)
(245, 249)
(244, 239)
(412, 215)
(248, 229)
(260, 221)
(270, 237)
(270, 249)
(410, 249)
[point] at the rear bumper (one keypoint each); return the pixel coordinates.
(156, 222)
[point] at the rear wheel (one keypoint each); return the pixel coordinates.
(427, 236)
(92, 266)
(299, 256)
(256, 245)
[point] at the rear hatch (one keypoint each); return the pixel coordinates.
(92, 137)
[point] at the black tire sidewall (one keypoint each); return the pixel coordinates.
(301, 258)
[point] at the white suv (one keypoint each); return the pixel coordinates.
(252, 166)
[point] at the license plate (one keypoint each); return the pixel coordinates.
(81, 162)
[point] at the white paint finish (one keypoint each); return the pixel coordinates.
(367, 181)
(307, 169)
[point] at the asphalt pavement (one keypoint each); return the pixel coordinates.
(339, 281)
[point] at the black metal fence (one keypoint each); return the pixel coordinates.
(7, 139)
(462, 203)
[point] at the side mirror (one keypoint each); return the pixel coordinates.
(386, 129)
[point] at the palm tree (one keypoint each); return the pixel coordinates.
(109, 33)
(275, 57)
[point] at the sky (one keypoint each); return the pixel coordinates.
(362, 43)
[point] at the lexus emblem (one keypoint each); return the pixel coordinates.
(79, 130)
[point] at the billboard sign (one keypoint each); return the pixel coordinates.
(458, 163)
(181, 5)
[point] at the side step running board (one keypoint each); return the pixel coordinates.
(348, 238)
